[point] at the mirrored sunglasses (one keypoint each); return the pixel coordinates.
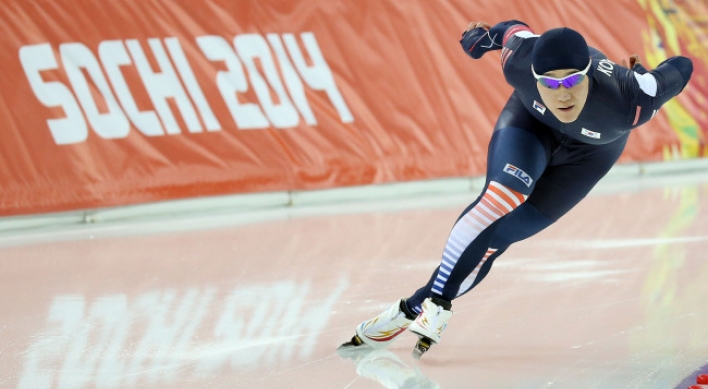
(568, 81)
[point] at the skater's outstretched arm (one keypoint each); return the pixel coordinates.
(481, 37)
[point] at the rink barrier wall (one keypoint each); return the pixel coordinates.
(117, 103)
(248, 208)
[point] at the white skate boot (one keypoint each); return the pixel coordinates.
(430, 324)
(380, 331)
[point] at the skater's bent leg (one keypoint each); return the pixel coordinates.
(468, 246)
(557, 191)
(523, 223)
(470, 258)
(516, 159)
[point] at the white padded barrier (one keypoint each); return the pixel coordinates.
(262, 206)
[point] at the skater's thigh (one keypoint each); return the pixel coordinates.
(522, 223)
(519, 150)
(573, 172)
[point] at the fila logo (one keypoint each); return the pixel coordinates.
(518, 173)
(539, 107)
(590, 134)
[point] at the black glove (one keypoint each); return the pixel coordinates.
(478, 41)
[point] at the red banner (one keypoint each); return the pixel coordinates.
(114, 103)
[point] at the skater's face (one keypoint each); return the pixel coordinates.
(564, 92)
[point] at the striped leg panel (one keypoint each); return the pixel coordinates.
(469, 281)
(496, 202)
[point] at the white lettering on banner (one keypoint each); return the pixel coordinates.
(162, 337)
(113, 55)
(230, 82)
(251, 47)
(252, 61)
(292, 80)
(75, 57)
(163, 85)
(319, 76)
(195, 92)
(70, 129)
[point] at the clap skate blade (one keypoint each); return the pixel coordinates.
(355, 349)
(354, 342)
(421, 347)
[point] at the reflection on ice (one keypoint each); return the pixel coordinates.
(386, 368)
(159, 337)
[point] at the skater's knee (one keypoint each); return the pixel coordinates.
(501, 199)
(523, 223)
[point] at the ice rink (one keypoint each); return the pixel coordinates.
(615, 295)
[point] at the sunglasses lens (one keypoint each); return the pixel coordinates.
(573, 80)
(549, 83)
(568, 82)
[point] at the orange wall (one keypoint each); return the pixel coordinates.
(123, 102)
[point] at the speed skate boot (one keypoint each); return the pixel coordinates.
(380, 331)
(430, 323)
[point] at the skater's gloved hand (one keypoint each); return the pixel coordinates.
(480, 37)
(476, 40)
